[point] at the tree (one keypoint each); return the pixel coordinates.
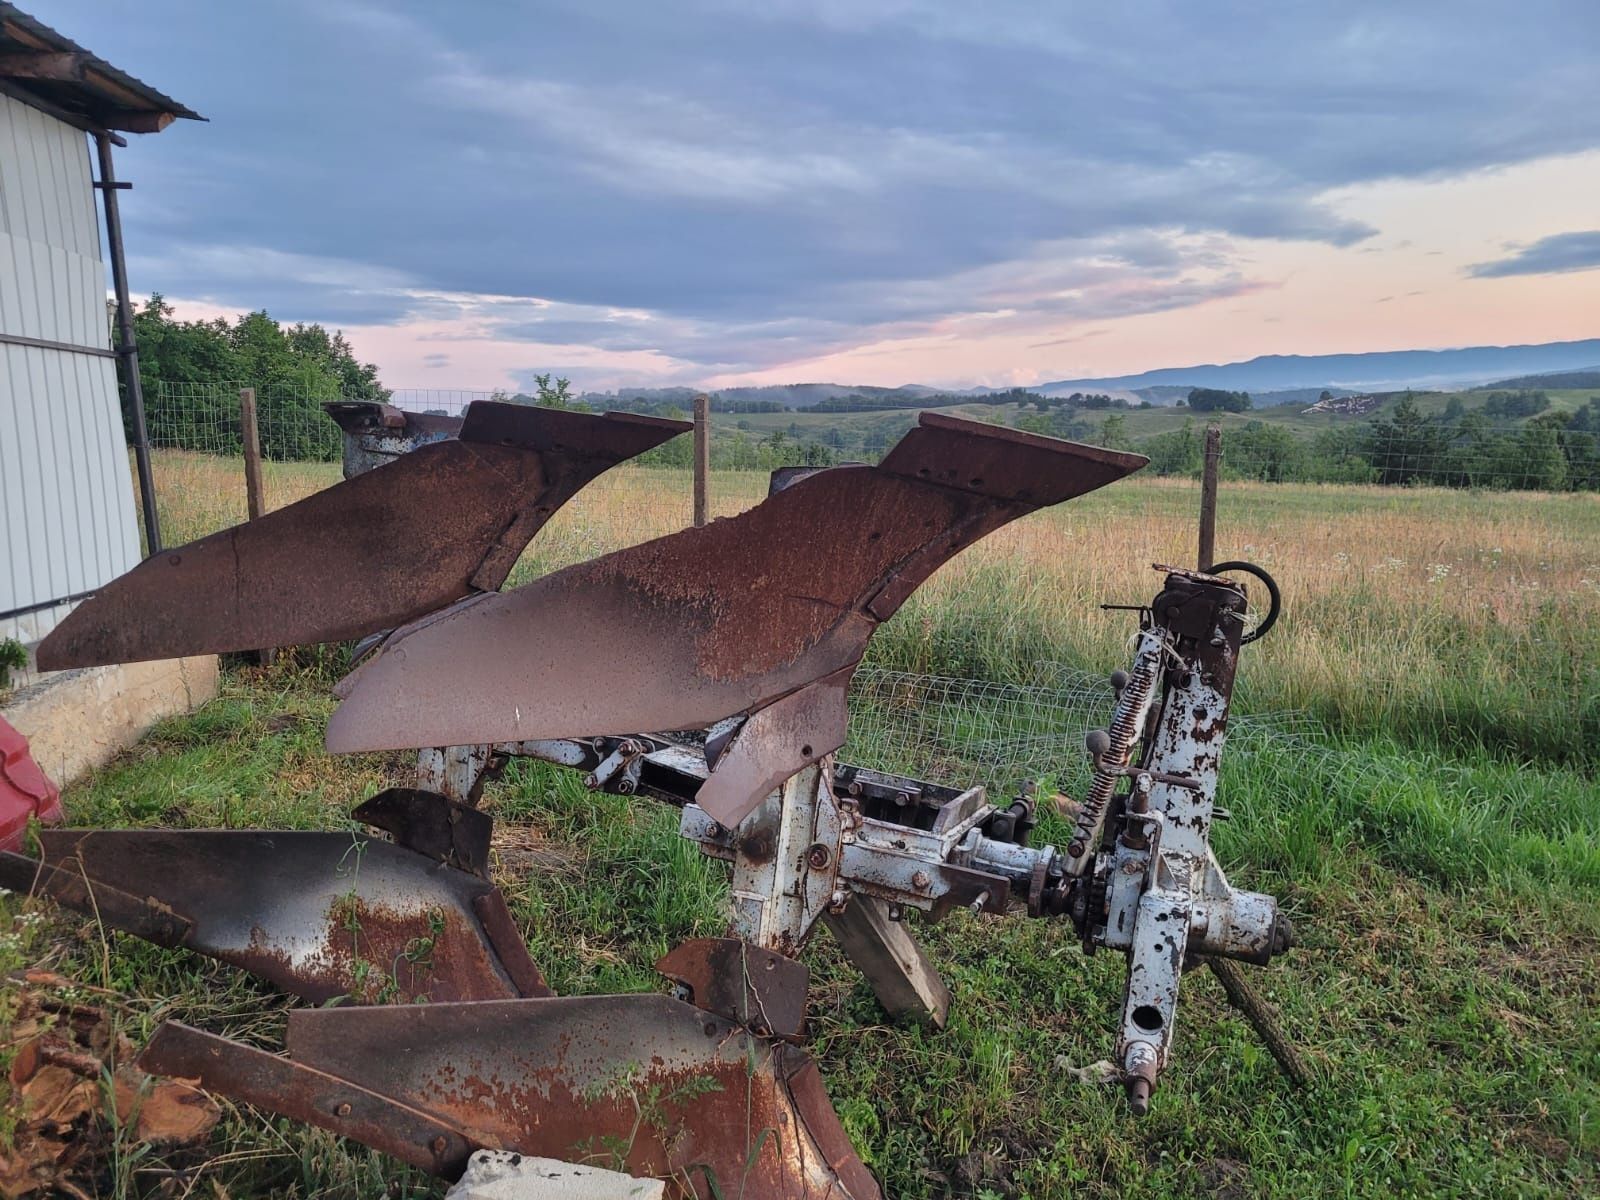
(1217, 400)
(1114, 433)
(1262, 451)
(1539, 449)
(1174, 453)
(555, 395)
(191, 372)
(1407, 447)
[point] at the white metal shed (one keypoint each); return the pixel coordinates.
(67, 513)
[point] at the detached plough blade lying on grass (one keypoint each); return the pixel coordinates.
(749, 629)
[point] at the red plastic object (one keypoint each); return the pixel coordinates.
(25, 792)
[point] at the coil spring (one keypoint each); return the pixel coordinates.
(1125, 728)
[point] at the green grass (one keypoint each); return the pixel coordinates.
(1445, 987)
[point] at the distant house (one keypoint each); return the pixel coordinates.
(67, 511)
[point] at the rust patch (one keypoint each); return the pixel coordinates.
(640, 1083)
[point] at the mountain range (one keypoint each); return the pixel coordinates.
(1386, 370)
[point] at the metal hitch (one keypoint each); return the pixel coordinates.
(378, 550)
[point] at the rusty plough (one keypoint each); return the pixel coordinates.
(748, 629)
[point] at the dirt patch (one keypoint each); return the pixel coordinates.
(1225, 1179)
(518, 851)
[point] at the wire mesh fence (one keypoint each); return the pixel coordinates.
(963, 732)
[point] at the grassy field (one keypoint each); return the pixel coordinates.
(1415, 778)
(855, 430)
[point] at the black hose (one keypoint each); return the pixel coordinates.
(1274, 597)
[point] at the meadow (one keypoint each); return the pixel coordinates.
(1413, 774)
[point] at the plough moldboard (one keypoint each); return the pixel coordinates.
(749, 630)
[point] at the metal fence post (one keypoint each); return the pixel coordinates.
(1208, 497)
(702, 458)
(127, 349)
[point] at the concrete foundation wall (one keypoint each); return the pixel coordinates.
(78, 720)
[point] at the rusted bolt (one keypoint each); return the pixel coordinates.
(590, 782)
(920, 880)
(440, 1144)
(818, 856)
(342, 1111)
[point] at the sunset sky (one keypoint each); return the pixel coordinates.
(866, 191)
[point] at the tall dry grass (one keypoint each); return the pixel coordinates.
(1446, 615)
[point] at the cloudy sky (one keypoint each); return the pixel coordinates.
(866, 191)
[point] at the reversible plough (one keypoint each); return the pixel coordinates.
(746, 631)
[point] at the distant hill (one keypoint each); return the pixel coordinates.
(1382, 370)
(1555, 379)
(1271, 380)
(790, 395)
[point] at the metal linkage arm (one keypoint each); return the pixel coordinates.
(1154, 889)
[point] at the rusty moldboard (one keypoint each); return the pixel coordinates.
(688, 629)
(320, 915)
(367, 554)
(784, 737)
(644, 1083)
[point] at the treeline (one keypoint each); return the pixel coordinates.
(1091, 401)
(191, 372)
(661, 408)
(1217, 400)
(1459, 448)
(889, 403)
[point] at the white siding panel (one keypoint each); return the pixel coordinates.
(10, 283)
(66, 494)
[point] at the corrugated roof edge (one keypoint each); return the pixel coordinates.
(58, 41)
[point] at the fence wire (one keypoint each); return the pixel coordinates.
(964, 732)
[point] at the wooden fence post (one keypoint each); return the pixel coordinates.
(1208, 497)
(702, 458)
(254, 493)
(254, 499)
